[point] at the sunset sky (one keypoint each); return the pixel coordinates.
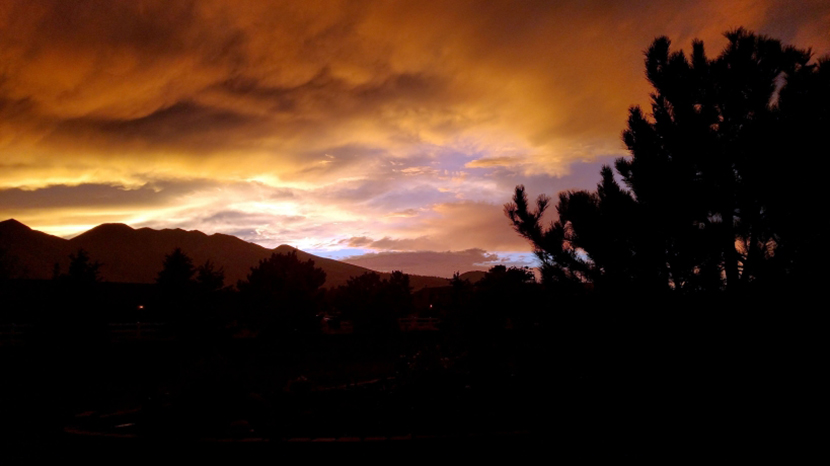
(388, 132)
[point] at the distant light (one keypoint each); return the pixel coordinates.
(140, 306)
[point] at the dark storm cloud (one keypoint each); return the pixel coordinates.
(184, 125)
(95, 196)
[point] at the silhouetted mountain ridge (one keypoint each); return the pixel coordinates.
(12, 225)
(132, 255)
(33, 252)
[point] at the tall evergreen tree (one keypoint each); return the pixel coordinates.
(177, 272)
(82, 269)
(284, 293)
(702, 211)
(209, 278)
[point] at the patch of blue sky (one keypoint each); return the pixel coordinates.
(338, 254)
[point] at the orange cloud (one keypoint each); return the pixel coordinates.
(403, 120)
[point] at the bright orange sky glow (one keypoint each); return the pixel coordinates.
(390, 130)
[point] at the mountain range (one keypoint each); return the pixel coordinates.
(131, 255)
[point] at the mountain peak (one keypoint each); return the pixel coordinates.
(105, 230)
(113, 227)
(284, 248)
(12, 225)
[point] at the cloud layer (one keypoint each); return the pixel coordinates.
(318, 123)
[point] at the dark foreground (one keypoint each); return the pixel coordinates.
(598, 387)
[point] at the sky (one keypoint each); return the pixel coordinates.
(387, 133)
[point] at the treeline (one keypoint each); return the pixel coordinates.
(281, 295)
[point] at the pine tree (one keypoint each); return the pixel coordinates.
(82, 269)
(701, 211)
(177, 272)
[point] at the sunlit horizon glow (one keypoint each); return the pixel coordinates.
(382, 132)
